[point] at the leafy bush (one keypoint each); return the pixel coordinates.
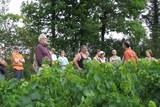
(99, 85)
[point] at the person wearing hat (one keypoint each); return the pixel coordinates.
(102, 57)
(18, 61)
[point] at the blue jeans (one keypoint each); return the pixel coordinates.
(18, 74)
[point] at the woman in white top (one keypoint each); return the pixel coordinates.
(114, 58)
(63, 61)
(102, 58)
(54, 57)
(96, 57)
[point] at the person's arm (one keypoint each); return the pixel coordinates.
(22, 59)
(98, 60)
(75, 61)
(126, 56)
(56, 57)
(15, 60)
(110, 60)
(136, 58)
(34, 65)
(94, 58)
(38, 54)
(3, 62)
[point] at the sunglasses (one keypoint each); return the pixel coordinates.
(44, 38)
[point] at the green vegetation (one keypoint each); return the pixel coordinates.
(99, 85)
(70, 24)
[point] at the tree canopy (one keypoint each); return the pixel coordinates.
(72, 23)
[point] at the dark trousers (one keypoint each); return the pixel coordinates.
(18, 74)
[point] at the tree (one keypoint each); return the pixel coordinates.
(153, 22)
(73, 23)
(3, 11)
(10, 31)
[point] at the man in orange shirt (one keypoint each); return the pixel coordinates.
(18, 61)
(129, 53)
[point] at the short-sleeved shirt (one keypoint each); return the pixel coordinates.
(130, 54)
(115, 58)
(151, 58)
(42, 51)
(54, 57)
(103, 60)
(17, 65)
(63, 61)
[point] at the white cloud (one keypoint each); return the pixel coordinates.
(14, 6)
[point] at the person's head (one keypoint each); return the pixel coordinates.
(43, 39)
(97, 52)
(149, 53)
(83, 49)
(102, 54)
(62, 53)
(1, 48)
(114, 52)
(16, 49)
(53, 50)
(126, 44)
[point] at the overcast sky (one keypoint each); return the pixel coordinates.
(14, 6)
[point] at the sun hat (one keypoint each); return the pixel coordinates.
(101, 52)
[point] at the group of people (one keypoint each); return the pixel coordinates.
(42, 51)
(17, 63)
(100, 56)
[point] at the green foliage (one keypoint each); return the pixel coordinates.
(152, 104)
(99, 85)
(152, 20)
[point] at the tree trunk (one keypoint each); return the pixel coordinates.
(52, 23)
(103, 30)
(155, 34)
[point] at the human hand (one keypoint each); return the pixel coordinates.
(79, 68)
(21, 60)
(5, 63)
(17, 60)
